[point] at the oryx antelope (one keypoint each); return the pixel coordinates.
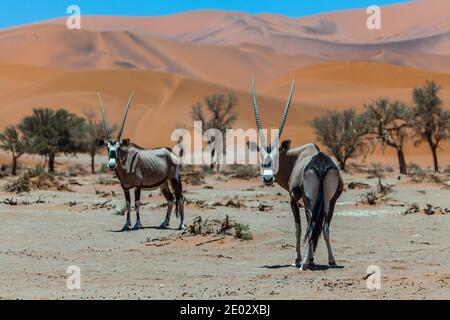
(306, 173)
(140, 168)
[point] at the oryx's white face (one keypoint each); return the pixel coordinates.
(113, 153)
(269, 163)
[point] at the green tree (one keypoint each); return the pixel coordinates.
(431, 123)
(219, 114)
(94, 131)
(10, 141)
(386, 122)
(48, 133)
(342, 133)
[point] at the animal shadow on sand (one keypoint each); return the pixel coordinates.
(144, 228)
(313, 267)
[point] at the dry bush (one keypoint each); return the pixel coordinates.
(419, 175)
(216, 227)
(242, 171)
(107, 180)
(76, 170)
(375, 197)
(193, 176)
(35, 179)
(104, 169)
(358, 185)
(375, 170)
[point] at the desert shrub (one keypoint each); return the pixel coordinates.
(107, 180)
(226, 226)
(76, 170)
(369, 198)
(243, 171)
(418, 175)
(243, 231)
(376, 170)
(104, 169)
(35, 179)
(191, 175)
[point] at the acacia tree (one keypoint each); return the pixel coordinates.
(48, 132)
(342, 134)
(94, 131)
(11, 142)
(386, 122)
(431, 123)
(219, 115)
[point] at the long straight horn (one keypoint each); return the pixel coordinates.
(256, 110)
(105, 127)
(286, 109)
(124, 118)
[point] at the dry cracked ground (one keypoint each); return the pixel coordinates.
(45, 232)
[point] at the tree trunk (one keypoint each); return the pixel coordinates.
(435, 159)
(14, 166)
(401, 160)
(342, 164)
(51, 162)
(93, 163)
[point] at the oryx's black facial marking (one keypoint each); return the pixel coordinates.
(269, 157)
(113, 150)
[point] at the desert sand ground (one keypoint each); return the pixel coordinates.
(40, 241)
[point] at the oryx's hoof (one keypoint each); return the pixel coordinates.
(126, 227)
(137, 226)
(303, 267)
(182, 227)
(297, 263)
(164, 225)
(333, 264)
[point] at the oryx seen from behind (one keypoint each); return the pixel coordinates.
(306, 173)
(139, 168)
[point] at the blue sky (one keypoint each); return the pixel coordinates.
(20, 12)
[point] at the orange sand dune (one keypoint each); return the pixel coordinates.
(55, 46)
(401, 22)
(208, 44)
(341, 85)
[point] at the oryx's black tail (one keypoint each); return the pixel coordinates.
(178, 188)
(320, 163)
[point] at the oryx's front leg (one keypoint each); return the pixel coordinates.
(137, 202)
(128, 207)
(298, 233)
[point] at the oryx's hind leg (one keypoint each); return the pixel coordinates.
(310, 191)
(298, 232)
(331, 193)
(137, 203)
(179, 209)
(128, 208)
(165, 190)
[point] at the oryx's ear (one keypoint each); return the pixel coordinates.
(285, 145)
(100, 142)
(252, 146)
(126, 142)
